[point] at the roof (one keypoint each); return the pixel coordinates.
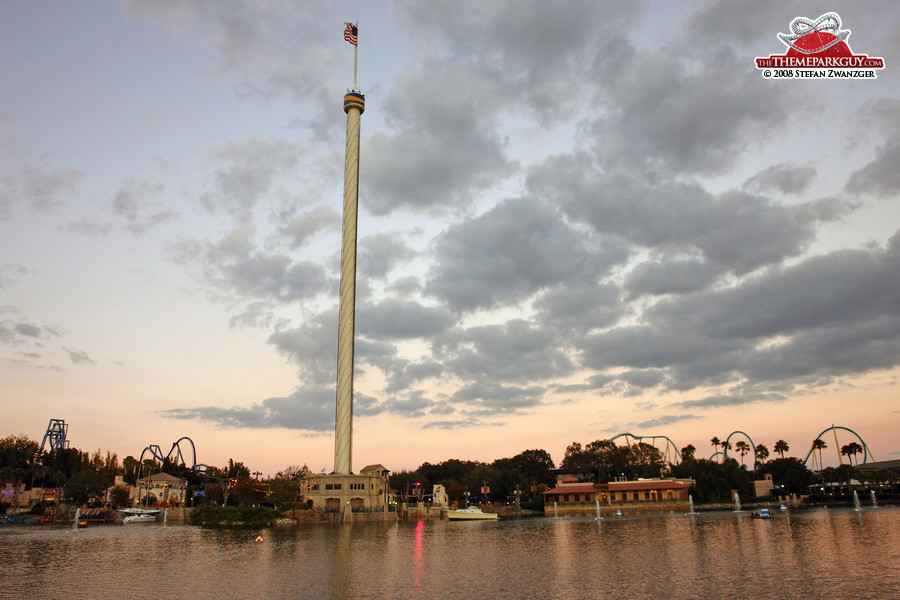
(161, 477)
(656, 484)
(620, 486)
(586, 488)
(373, 468)
(890, 465)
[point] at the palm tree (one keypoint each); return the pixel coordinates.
(781, 447)
(743, 448)
(726, 446)
(762, 453)
(819, 444)
(715, 442)
(688, 452)
(855, 449)
(851, 450)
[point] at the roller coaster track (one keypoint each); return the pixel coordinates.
(728, 439)
(669, 442)
(834, 429)
(179, 458)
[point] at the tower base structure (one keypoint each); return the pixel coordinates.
(346, 494)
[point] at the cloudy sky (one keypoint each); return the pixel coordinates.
(577, 219)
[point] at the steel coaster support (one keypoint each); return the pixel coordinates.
(865, 447)
(56, 433)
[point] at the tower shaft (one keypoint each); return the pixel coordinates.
(354, 105)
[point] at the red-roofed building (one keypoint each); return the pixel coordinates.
(571, 496)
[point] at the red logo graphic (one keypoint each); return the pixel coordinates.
(818, 48)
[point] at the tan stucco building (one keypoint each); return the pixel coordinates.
(165, 488)
(571, 496)
(340, 493)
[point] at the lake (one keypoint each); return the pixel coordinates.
(817, 553)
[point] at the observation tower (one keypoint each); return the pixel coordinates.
(342, 494)
(354, 105)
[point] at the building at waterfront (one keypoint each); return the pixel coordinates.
(366, 492)
(158, 489)
(571, 496)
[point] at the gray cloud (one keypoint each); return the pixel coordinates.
(41, 189)
(308, 409)
(781, 178)
(824, 317)
(445, 149)
(312, 346)
(398, 319)
(881, 176)
(538, 55)
(234, 265)
(734, 230)
(137, 204)
(662, 420)
(580, 305)
(508, 254)
(301, 228)
(381, 253)
(250, 169)
(80, 357)
(664, 116)
(517, 351)
(671, 275)
(488, 398)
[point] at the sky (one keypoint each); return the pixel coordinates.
(577, 219)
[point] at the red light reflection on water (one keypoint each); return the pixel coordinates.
(418, 557)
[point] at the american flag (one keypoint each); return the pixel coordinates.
(351, 33)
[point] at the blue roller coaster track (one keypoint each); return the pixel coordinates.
(178, 458)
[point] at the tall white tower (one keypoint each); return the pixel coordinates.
(354, 105)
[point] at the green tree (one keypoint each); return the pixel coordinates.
(283, 489)
(715, 481)
(237, 470)
(726, 446)
(781, 447)
(819, 444)
(688, 452)
(851, 450)
(247, 491)
(762, 455)
(85, 487)
(119, 496)
(715, 441)
(790, 473)
(743, 448)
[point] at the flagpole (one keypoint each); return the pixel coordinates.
(355, 54)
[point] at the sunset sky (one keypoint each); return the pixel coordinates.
(577, 219)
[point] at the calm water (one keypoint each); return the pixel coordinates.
(822, 553)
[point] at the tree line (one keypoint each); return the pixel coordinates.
(85, 476)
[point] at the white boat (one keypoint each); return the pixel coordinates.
(139, 515)
(472, 513)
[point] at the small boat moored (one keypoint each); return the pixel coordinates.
(472, 513)
(763, 513)
(139, 515)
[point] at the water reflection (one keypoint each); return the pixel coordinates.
(818, 553)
